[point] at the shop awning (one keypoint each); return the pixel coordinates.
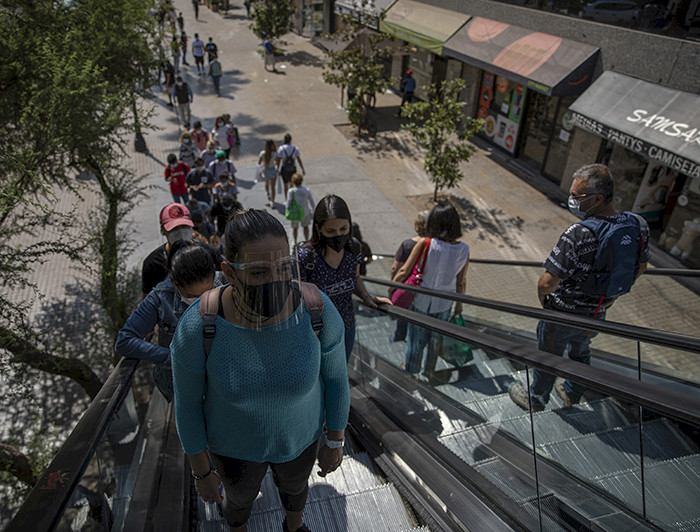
(378, 6)
(661, 123)
(545, 63)
(424, 25)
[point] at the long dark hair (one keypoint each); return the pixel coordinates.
(190, 262)
(253, 225)
(328, 208)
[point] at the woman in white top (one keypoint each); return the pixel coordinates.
(303, 196)
(269, 170)
(445, 270)
(220, 133)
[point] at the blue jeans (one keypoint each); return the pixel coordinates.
(556, 339)
(349, 341)
(181, 198)
(418, 338)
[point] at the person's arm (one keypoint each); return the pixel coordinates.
(208, 487)
(289, 198)
(461, 285)
(336, 394)
(303, 171)
(642, 269)
(547, 284)
(407, 267)
(130, 340)
(189, 92)
(278, 160)
(367, 298)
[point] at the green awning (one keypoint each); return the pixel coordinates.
(424, 25)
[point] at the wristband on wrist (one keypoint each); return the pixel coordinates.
(205, 475)
(332, 444)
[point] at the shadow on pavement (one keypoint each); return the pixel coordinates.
(301, 58)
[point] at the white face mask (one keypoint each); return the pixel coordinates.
(180, 233)
(186, 141)
(575, 208)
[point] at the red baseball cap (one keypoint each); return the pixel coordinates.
(409, 72)
(174, 215)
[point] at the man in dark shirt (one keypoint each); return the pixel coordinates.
(561, 287)
(222, 210)
(176, 224)
(199, 182)
(212, 50)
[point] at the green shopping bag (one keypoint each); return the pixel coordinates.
(453, 351)
(295, 212)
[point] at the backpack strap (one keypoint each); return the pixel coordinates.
(313, 301)
(208, 310)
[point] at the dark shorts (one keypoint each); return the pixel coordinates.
(199, 59)
(286, 177)
(242, 480)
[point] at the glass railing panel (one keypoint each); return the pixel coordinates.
(474, 417)
(671, 451)
(671, 368)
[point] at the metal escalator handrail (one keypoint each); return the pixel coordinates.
(48, 499)
(666, 402)
(623, 330)
(672, 272)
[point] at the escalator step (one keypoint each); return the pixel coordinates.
(672, 492)
(380, 509)
(514, 486)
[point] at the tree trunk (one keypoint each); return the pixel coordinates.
(435, 193)
(13, 461)
(23, 352)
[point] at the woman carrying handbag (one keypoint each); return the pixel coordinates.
(444, 268)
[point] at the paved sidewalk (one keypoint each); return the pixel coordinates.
(380, 178)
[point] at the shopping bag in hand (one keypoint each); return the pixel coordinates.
(453, 351)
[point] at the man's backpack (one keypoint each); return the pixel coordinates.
(620, 245)
(288, 166)
(209, 309)
(215, 69)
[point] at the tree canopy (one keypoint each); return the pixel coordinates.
(272, 18)
(437, 124)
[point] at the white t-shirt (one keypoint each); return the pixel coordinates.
(198, 48)
(272, 160)
(303, 197)
(287, 150)
(221, 136)
(443, 264)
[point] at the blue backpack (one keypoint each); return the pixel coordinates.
(620, 245)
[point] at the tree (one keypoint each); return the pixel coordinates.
(436, 123)
(272, 18)
(356, 63)
(70, 75)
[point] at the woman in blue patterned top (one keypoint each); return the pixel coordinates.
(269, 385)
(331, 261)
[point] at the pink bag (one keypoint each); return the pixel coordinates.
(404, 298)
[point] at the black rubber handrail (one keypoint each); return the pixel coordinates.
(623, 330)
(672, 272)
(48, 499)
(660, 400)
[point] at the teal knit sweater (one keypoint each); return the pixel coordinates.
(267, 394)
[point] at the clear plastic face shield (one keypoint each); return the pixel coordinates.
(266, 290)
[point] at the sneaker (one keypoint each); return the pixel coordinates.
(561, 392)
(520, 397)
(302, 528)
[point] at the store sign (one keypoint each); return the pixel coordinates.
(655, 153)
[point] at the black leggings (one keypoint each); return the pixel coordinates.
(242, 480)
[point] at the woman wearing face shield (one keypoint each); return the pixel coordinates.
(192, 272)
(268, 386)
(331, 261)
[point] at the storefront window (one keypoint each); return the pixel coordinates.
(421, 62)
(561, 142)
(681, 238)
(539, 123)
(627, 168)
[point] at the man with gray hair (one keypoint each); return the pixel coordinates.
(595, 261)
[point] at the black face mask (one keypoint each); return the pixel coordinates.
(336, 243)
(267, 299)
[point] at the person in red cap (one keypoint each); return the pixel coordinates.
(175, 224)
(176, 174)
(408, 87)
